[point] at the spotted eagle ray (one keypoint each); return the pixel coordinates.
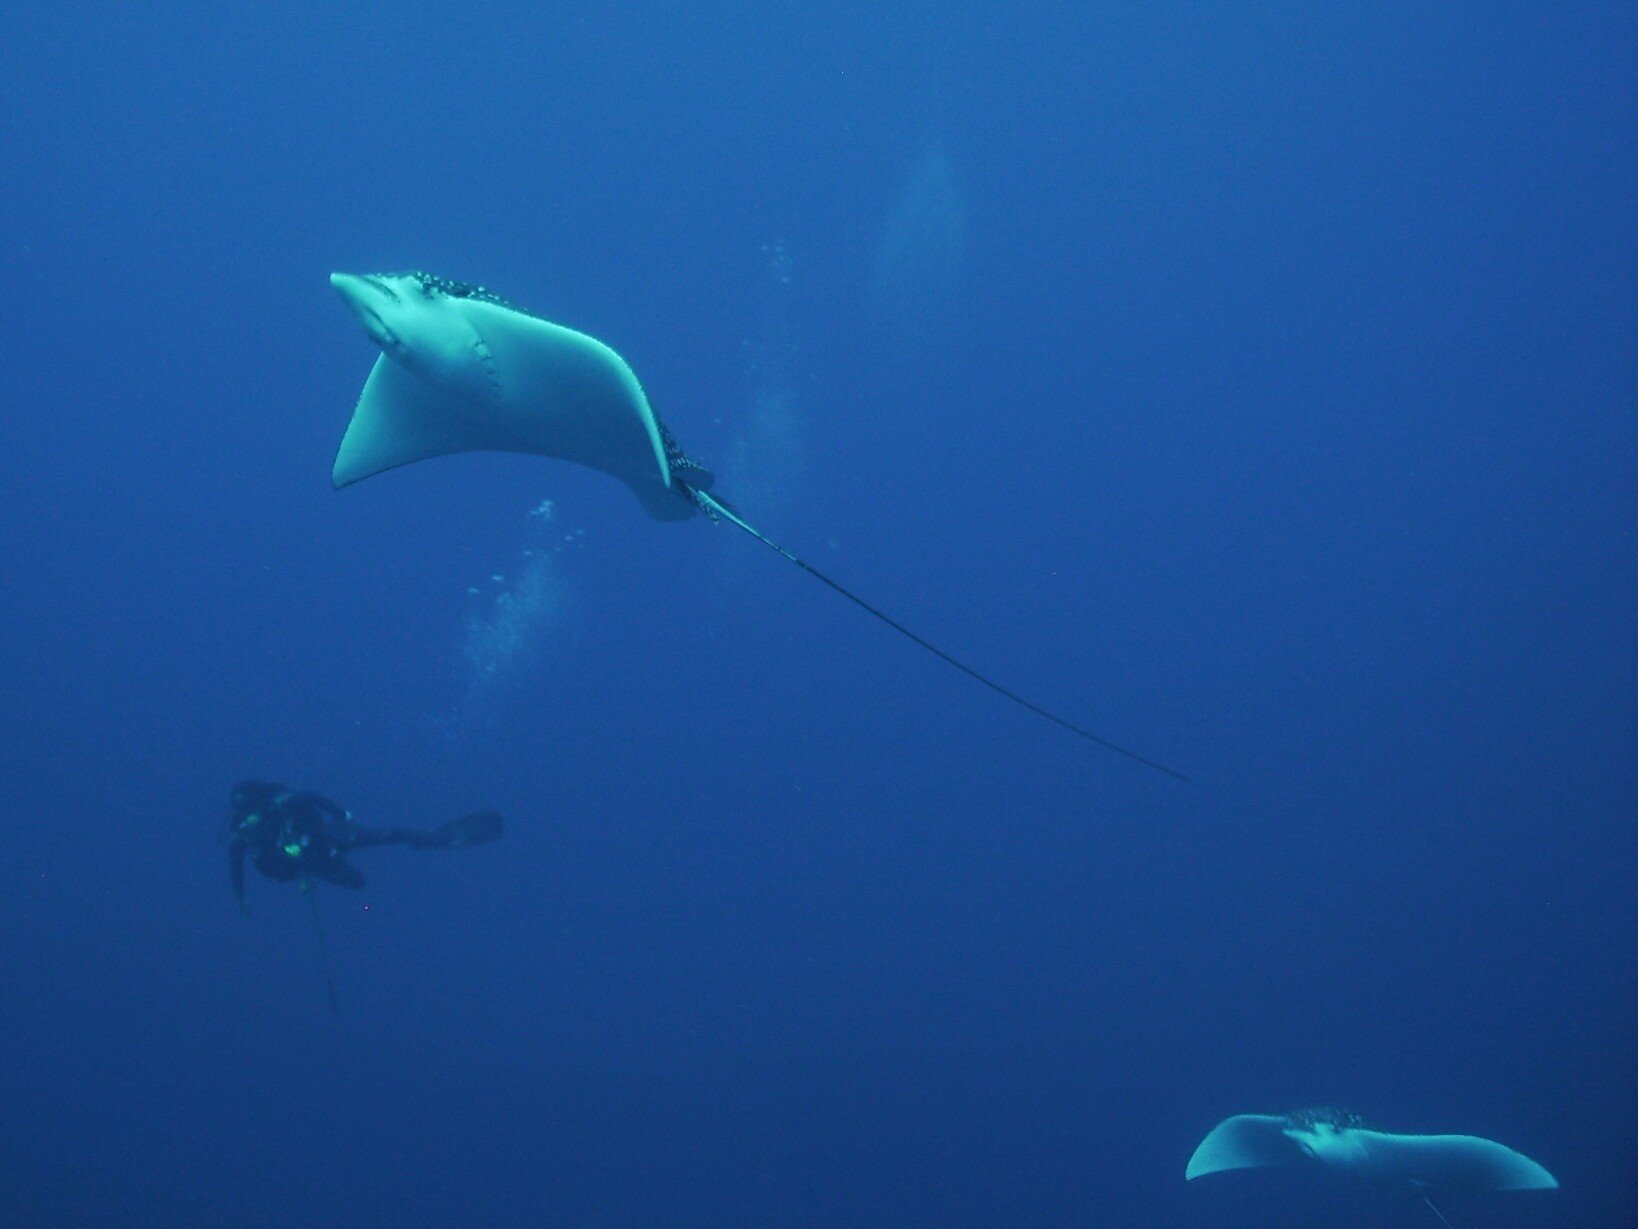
(463, 370)
(1341, 1143)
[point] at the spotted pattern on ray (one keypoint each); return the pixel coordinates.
(676, 459)
(431, 284)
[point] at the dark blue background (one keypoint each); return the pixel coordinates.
(1253, 383)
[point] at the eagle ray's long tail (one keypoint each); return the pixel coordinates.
(1434, 1208)
(715, 509)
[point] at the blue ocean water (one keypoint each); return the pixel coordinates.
(1253, 384)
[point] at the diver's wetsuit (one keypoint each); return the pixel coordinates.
(297, 834)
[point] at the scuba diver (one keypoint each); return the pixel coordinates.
(297, 835)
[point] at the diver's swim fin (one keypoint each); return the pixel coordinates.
(472, 829)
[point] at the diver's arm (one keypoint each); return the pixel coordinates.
(236, 871)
